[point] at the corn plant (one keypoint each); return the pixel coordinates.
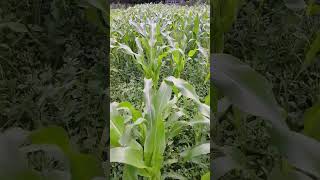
(138, 139)
(151, 51)
(153, 36)
(150, 37)
(225, 13)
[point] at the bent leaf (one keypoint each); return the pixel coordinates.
(196, 151)
(128, 156)
(245, 88)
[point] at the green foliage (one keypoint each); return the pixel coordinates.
(154, 129)
(311, 121)
(153, 39)
(53, 141)
(151, 43)
(313, 8)
(256, 99)
(52, 73)
(225, 13)
(82, 166)
(248, 93)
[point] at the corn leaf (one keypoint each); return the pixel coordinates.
(206, 176)
(313, 8)
(83, 166)
(116, 125)
(256, 98)
(130, 172)
(184, 87)
(127, 155)
(245, 88)
(301, 151)
(196, 151)
(312, 121)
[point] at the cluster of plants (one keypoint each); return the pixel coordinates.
(53, 89)
(127, 2)
(160, 113)
(254, 137)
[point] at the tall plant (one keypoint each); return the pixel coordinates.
(143, 152)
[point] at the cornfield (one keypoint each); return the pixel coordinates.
(159, 59)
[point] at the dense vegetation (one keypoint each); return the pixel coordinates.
(126, 2)
(254, 137)
(52, 90)
(159, 74)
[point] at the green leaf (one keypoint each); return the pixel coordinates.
(135, 113)
(162, 98)
(196, 25)
(251, 93)
(192, 52)
(206, 176)
(127, 136)
(127, 50)
(127, 155)
(139, 29)
(207, 99)
(51, 135)
(312, 121)
(229, 10)
(92, 16)
(245, 88)
(184, 87)
(313, 8)
(116, 125)
(84, 166)
(301, 151)
(130, 172)
(196, 151)
(224, 13)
